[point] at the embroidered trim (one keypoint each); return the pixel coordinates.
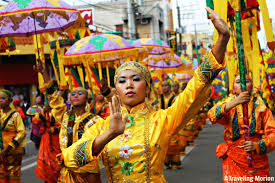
(207, 71)
(252, 127)
(70, 126)
(219, 114)
(130, 122)
(82, 125)
(81, 154)
(262, 146)
(235, 127)
(127, 168)
(147, 150)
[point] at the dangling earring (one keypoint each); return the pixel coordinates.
(87, 107)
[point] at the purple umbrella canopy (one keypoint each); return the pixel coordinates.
(142, 52)
(154, 46)
(28, 17)
(164, 64)
(100, 48)
(163, 61)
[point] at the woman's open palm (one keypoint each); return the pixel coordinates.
(117, 124)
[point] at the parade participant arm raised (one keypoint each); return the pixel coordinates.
(133, 141)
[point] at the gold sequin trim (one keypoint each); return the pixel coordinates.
(207, 71)
(147, 149)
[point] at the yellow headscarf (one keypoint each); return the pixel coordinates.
(8, 93)
(135, 66)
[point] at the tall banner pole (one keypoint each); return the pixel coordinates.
(242, 70)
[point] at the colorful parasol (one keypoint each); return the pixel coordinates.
(185, 60)
(154, 46)
(163, 61)
(28, 17)
(100, 48)
(166, 63)
(142, 52)
(35, 109)
(33, 17)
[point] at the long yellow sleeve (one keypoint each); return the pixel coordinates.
(58, 106)
(267, 144)
(20, 131)
(80, 152)
(195, 95)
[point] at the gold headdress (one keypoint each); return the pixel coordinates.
(136, 67)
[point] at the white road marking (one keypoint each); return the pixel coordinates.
(28, 166)
(187, 151)
(30, 158)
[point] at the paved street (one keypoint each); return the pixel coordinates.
(200, 165)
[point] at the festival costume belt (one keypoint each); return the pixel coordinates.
(235, 152)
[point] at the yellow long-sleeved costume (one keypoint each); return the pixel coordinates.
(13, 134)
(59, 111)
(139, 153)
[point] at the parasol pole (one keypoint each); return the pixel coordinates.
(37, 46)
(99, 70)
(36, 35)
(88, 72)
(62, 79)
(242, 70)
(108, 74)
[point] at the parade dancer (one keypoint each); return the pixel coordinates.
(12, 135)
(133, 141)
(262, 134)
(47, 167)
(74, 122)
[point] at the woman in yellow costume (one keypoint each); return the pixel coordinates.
(74, 122)
(13, 137)
(133, 141)
(262, 134)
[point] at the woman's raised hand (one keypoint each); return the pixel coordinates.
(224, 35)
(39, 67)
(218, 22)
(117, 124)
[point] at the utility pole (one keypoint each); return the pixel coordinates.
(180, 29)
(132, 20)
(196, 46)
